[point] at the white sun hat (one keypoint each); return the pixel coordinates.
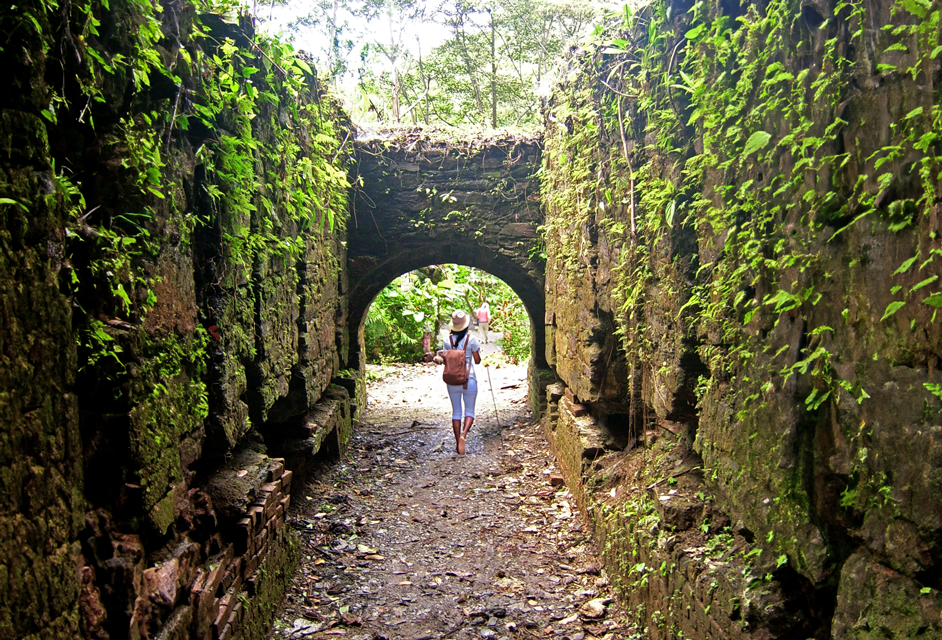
(459, 320)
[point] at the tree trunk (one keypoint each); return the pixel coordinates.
(460, 37)
(395, 68)
(493, 71)
(426, 81)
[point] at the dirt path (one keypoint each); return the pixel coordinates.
(402, 539)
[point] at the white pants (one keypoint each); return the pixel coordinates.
(457, 392)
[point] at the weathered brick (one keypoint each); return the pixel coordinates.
(276, 469)
(286, 481)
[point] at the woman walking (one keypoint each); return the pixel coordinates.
(461, 340)
(484, 319)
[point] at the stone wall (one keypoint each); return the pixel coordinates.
(742, 213)
(172, 233)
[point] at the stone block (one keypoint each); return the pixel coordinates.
(251, 566)
(872, 597)
(204, 603)
(243, 532)
(286, 481)
(276, 469)
(680, 511)
(555, 391)
(233, 573)
(223, 608)
(256, 513)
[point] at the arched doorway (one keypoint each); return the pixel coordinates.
(370, 282)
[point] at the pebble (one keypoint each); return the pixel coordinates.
(593, 608)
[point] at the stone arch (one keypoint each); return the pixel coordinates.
(421, 198)
(370, 282)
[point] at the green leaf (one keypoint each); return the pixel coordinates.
(121, 293)
(756, 142)
(891, 309)
(915, 7)
(303, 65)
(695, 33)
(934, 300)
(912, 114)
(903, 268)
(248, 71)
(922, 284)
(669, 213)
(16, 202)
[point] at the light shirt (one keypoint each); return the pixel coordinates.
(473, 347)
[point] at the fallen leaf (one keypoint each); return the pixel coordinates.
(374, 556)
(362, 548)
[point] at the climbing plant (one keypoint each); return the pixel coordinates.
(718, 165)
(746, 153)
(181, 142)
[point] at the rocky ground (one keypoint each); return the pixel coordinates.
(404, 539)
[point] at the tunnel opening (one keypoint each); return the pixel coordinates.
(369, 277)
(408, 319)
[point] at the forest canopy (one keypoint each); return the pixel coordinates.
(441, 62)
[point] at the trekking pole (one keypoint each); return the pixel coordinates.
(497, 415)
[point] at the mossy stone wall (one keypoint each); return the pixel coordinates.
(172, 228)
(40, 446)
(742, 206)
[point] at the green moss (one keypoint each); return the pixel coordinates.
(267, 589)
(170, 401)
